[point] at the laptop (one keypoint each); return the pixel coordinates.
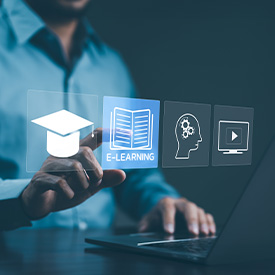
(248, 234)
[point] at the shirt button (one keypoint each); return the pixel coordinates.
(82, 225)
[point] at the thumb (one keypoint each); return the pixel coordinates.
(144, 224)
(150, 221)
(112, 178)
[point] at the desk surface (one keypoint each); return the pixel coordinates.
(52, 251)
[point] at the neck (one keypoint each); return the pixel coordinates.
(65, 32)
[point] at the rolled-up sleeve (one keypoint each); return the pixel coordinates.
(142, 190)
(12, 215)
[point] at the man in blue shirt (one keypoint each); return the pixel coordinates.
(48, 45)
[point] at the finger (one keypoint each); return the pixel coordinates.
(68, 167)
(150, 221)
(110, 178)
(144, 224)
(190, 212)
(80, 179)
(56, 165)
(168, 213)
(65, 188)
(203, 222)
(89, 162)
(44, 182)
(211, 223)
(93, 140)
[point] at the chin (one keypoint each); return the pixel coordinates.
(62, 9)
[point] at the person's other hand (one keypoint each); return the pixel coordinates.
(163, 216)
(62, 183)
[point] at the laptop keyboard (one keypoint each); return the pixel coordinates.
(200, 246)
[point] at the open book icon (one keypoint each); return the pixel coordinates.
(131, 130)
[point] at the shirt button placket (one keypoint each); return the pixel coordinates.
(71, 83)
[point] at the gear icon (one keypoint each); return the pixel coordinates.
(191, 131)
(185, 124)
(187, 130)
(185, 135)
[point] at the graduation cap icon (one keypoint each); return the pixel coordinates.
(63, 132)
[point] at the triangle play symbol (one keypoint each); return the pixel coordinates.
(234, 136)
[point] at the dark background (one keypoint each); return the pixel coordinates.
(216, 52)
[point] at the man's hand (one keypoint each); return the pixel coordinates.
(163, 215)
(63, 183)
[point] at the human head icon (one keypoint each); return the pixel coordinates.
(188, 135)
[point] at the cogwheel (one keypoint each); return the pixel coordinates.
(185, 124)
(185, 134)
(191, 131)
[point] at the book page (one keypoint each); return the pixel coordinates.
(141, 128)
(122, 128)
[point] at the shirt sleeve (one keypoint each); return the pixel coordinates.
(12, 214)
(142, 189)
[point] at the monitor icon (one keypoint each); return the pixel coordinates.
(233, 136)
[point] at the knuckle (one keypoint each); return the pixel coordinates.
(192, 205)
(201, 211)
(61, 182)
(76, 165)
(86, 151)
(210, 217)
(183, 200)
(167, 201)
(38, 177)
(99, 173)
(39, 174)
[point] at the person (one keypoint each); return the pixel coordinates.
(49, 45)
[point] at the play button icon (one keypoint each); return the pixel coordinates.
(233, 136)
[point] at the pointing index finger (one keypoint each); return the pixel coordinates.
(93, 140)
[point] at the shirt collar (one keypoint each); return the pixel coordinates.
(91, 34)
(24, 21)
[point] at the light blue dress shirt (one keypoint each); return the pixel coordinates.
(26, 64)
